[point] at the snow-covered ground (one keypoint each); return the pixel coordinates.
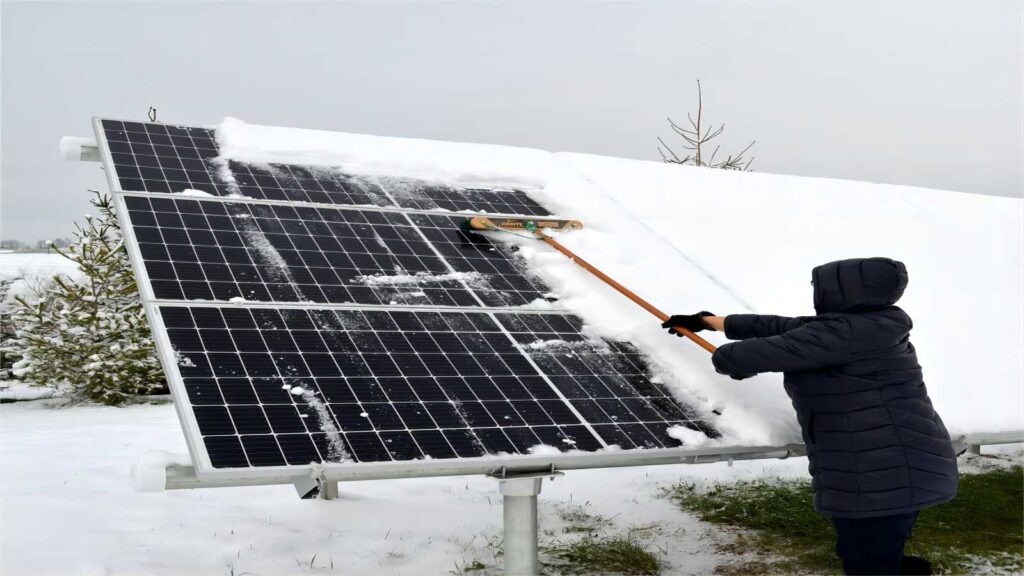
(32, 268)
(65, 479)
(17, 391)
(67, 508)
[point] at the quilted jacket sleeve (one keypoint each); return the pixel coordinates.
(744, 326)
(814, 345)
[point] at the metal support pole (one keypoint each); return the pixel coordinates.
(328, 490)
(519, 497)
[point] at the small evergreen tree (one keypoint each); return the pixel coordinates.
(696, 138)
(89, 333)
(31, 287)
(8, 356)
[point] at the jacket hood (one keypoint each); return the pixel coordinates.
(850, 285)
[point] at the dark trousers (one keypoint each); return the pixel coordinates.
(873, 545)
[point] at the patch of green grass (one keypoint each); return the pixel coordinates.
(601, 555)
(984, 523)
(591, 545)
(579, 553)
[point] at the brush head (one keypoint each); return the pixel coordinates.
(519, 224)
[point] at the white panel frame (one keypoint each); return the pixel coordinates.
(197, 449)
(492, 464)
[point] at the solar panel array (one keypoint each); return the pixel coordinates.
(318, 316)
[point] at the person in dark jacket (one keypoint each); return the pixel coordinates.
(878, 452)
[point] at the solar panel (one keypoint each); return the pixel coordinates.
(408, 193)
(195, 249)
(608, 383)
(150, 157)
(304, 184)
(307, 315)
(374, 385)
(485, 384)
(204, 249)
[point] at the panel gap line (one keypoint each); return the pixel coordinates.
(306, 204)
(350, 306)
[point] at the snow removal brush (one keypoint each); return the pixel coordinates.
(536, 227)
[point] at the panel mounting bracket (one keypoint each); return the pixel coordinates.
(504, 473)
(316, 485)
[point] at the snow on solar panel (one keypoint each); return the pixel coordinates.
(309, 315)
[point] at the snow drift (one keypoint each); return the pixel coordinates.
(690, 239)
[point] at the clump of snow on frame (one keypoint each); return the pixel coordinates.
(689, 239)
(195, 193)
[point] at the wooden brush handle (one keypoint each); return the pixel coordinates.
(624, 291)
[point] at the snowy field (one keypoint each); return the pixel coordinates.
(33, 267)
(68, 509)
(82, 498)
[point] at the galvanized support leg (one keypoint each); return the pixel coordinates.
(519, 492)
(520, 521)
(328, 490)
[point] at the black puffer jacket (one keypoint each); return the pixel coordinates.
(875, 444)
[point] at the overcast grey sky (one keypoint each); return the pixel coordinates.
(913, 92)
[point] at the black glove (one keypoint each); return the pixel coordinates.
(693, 322)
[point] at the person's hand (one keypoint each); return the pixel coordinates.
(692, 322)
